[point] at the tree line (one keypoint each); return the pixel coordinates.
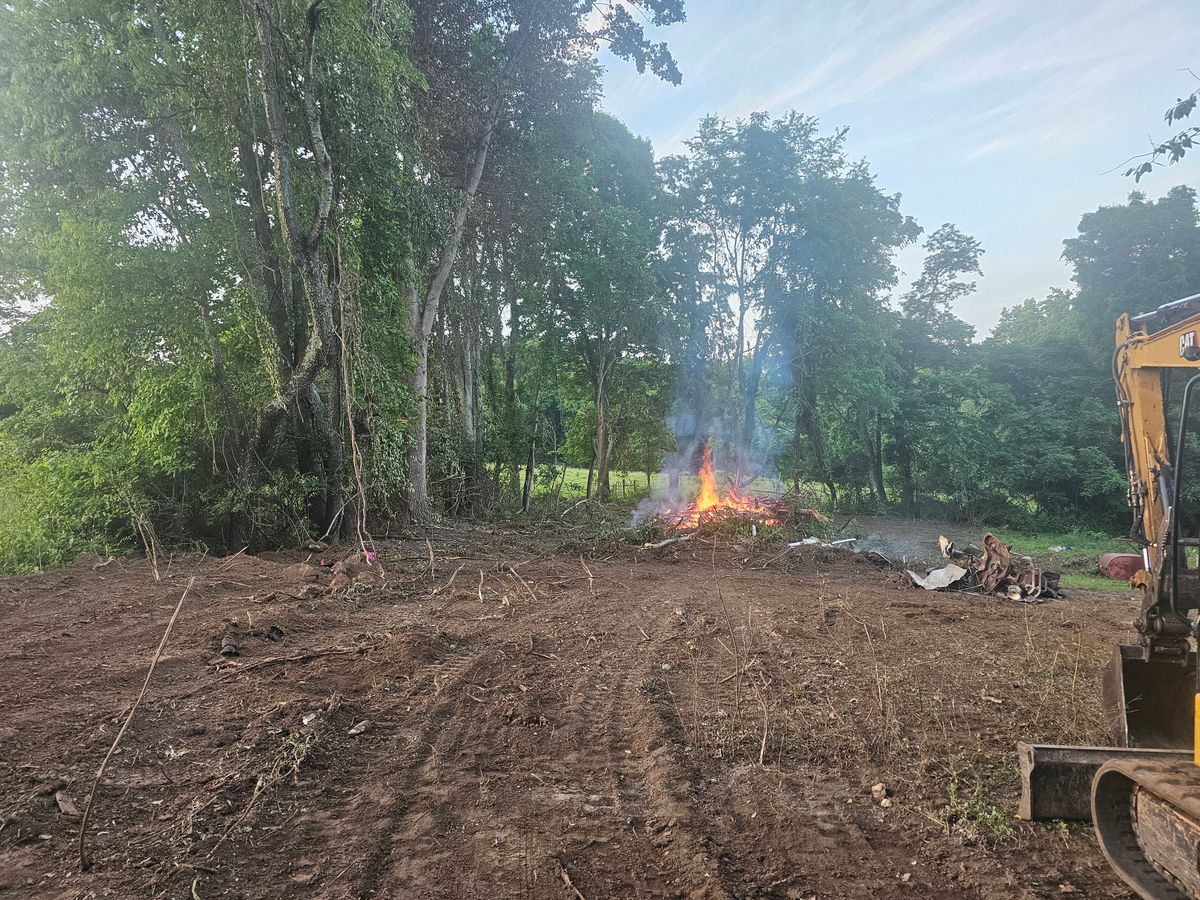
(274, 269)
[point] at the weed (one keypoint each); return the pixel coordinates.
(969, 813)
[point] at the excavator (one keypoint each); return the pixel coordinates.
(1143, 794)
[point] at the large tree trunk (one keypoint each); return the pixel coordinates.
(422, 316)
(904, 468)
(750, 418)
(527, 488)
(601, 443)
(869, 431)
(511, 408)
(303, 246)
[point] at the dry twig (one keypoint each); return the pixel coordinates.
(87, 811)
(591, 580)
(566, 879)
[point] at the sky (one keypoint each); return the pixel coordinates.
(1009, 118)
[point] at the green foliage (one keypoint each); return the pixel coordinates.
(176, 365)
(1174, 148)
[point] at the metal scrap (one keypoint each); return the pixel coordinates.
(992, 570)
(939, 579)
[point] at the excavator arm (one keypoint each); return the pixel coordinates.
(1143, 795)
(1139, 364)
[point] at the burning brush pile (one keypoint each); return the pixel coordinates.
(713, 505)
(992, 570)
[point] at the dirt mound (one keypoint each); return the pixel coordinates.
(683, 723)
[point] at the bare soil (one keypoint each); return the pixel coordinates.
(706, 721)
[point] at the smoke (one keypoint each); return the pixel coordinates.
(709, 408)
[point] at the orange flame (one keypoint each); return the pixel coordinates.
(708, 496)
(710, 504)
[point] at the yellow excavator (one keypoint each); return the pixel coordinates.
(1143, 795)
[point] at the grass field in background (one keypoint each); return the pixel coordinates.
(1078, 563)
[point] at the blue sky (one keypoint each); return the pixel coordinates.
(1002, 116)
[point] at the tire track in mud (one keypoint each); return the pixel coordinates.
(412, 773)
(813, 836)
(648, 848)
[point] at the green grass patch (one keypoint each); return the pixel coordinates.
(1075, 555)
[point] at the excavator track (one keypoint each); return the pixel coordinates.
(1147, 819)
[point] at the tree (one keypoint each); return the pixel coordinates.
(599, 220)
(740, 179)
(1132, 258)
(523, 41)
(827, 274)
(931, 338)
(200, 226)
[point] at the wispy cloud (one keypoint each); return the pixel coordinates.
(976, 110)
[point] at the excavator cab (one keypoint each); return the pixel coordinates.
(1143, 794)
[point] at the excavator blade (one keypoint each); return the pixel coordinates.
(1149, 703)
(1056, 781)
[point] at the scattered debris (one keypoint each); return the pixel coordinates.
(229, 646)
(939, 579)
(879, 791)
(658, 545)
(360, 727)
(66, 805)
(991, 570)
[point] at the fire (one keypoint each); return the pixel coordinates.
(710, 504)
(708, 496)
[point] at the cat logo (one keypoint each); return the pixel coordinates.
(1187, 345)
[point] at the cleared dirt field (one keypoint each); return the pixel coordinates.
(704, 720)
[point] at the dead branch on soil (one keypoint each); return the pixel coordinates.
(658, 545)
(591, 580)
(576, 506)
(566, 879)
(762, 749)
(446, 586)
(513, 571)
(299, 657)
(87, 811)
(225, 565)
(431, 571)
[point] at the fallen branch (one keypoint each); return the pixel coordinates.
(513, 571)
(87, 811)
(591, 580)
(446, 586)
(668, 541)
(576, 506)
(786, 550)
(299, 657)
(225, 565)
(566, 879)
